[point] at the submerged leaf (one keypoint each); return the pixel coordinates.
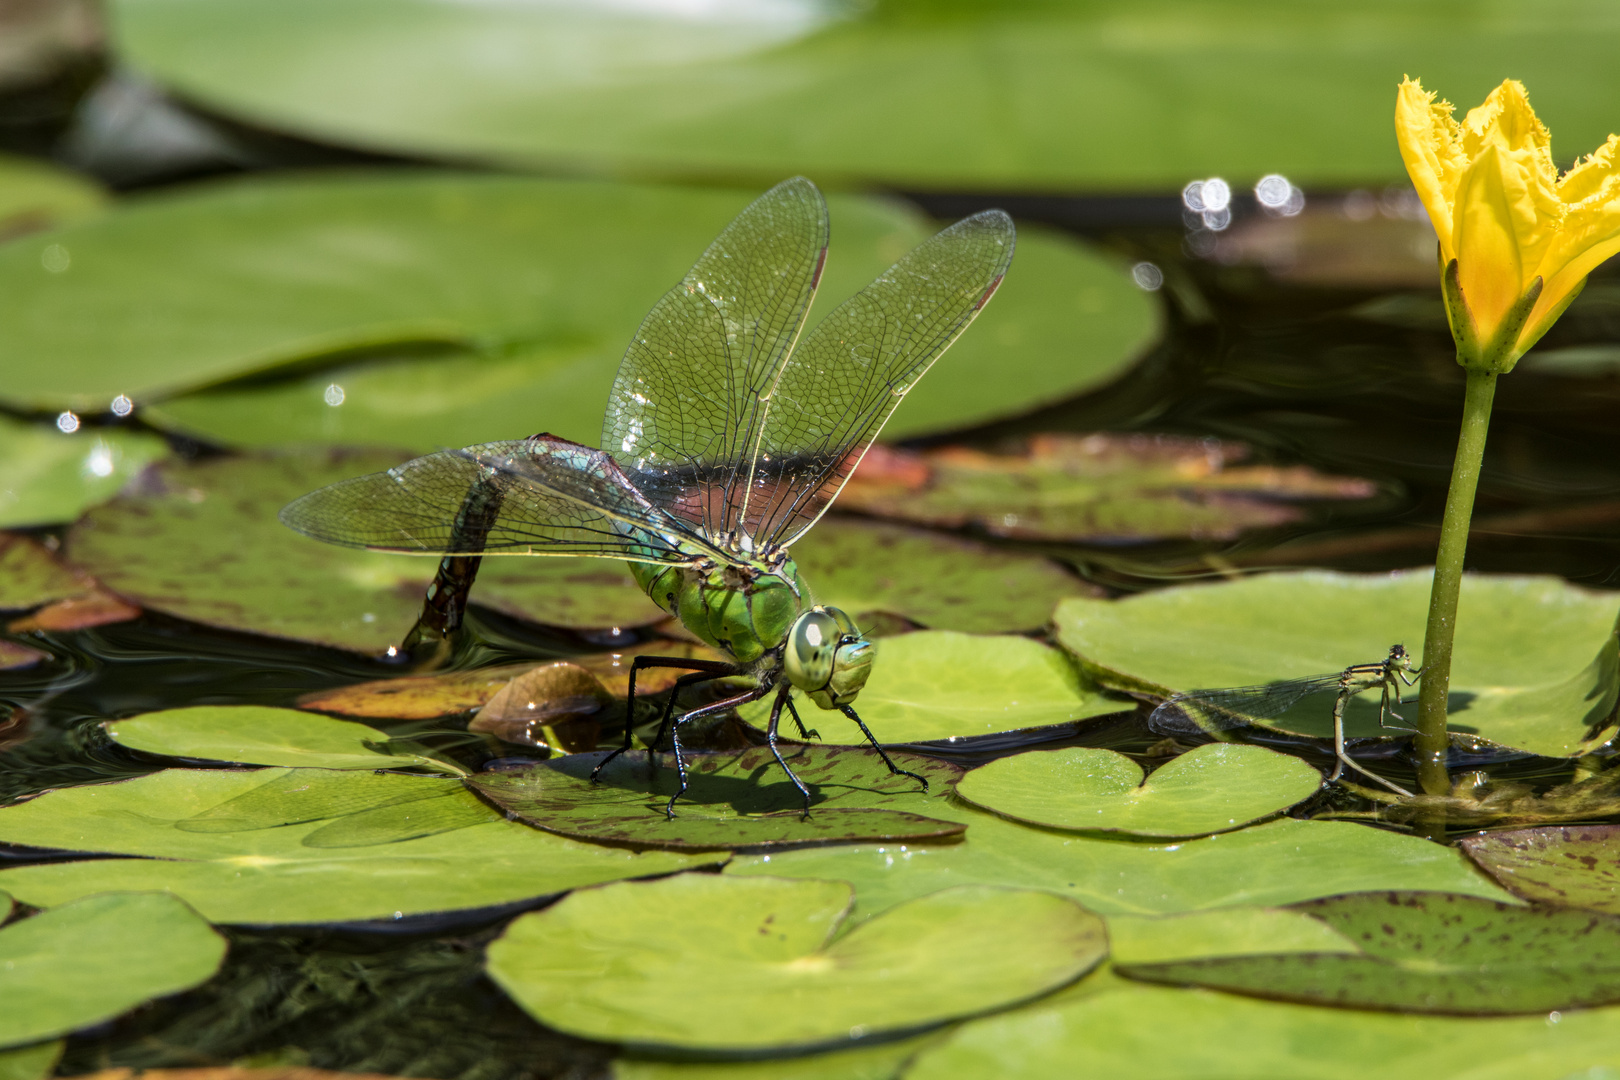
(1207, 790)
(1429, 952)
(735, 799)
(699, 961)
(92, 959)
(1089, 488)
(552, 706)
(1572, 865)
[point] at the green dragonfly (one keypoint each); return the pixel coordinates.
(726, 438)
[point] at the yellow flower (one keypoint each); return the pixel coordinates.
(1516, 239)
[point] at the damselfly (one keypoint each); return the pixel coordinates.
(1201, 711)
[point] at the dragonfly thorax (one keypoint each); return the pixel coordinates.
(742, 608)
(827, 657)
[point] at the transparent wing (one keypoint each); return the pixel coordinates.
(540, 496)
(1217, 710)
(686, 408)
(848, 375)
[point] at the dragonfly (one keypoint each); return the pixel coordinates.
(1201, 711)
(728, 433)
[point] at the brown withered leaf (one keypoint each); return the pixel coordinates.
(95, 608)
(553, 705)
(1098, 487)
(14, 656)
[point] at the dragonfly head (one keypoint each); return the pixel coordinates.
(827, 657)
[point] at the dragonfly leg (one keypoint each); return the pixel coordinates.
(710, 668)
(751, 694)
(770, 736)
(1344, 757)
(811, 733)
(893, 768)
(1391, 687)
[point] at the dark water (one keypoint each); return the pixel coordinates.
(1352, 380)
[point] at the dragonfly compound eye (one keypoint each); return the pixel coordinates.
(812, 645)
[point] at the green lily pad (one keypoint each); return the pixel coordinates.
(47, 476)
(1233, 931)
(1210, 789)
(1097, 487)
(460, 308)
(201, 541)
(1535, 667)
(938, 684)
(881, 1062)
(259, 735)
(1150, 1033)
(709, 962)
(34, 1062)
(304, 846)
(736, 799)
(936, 581)
(912, 95)
(34, 195)
(1429, 952)
(1277, 863)
(94, 958)
(1572, 865)
(31, 576)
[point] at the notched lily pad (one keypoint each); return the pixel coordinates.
(302, 846)
(935, 581)
(700, 961)
(202, 541)
(260, 735)
(92, 959)
(1210, 789)
(1551, 692)
(1101, 487)
(735, 799)
(1429, 953)
(1572, 865)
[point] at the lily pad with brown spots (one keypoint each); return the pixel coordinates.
(1570, 865)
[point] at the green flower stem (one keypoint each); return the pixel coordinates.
(1431, 741)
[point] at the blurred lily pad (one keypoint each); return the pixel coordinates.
(1280, 862)
(254, 862)
(34, 1062)
(13, 656)
(1535, 666)
(936, 581)
(922, 95)
(1572, 865)
(1100, 487)
(259, 735)
(35, 195)
(92, 959)
(30, 575)
(700, 961)
(201, 541)
(736, 799)
(1207, 790)
(1429, 952)
(939, 684)
(1122, 1035)
(449, 309)
(47, 476)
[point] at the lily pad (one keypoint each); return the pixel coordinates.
(1277, 863)
(1572, 865)
(1232, 931)
(462, 308)
(259, 735)
(255, 862)
(938, 684)
(882, 1061)
(935, 581)
(34, 195)
(991, 97)
(1429, 953)
(1100, 487)
(1122, 1034)
(1207, 790)
(47, 476)
(30, 575)
(35, 1062)
(708, 962)
(736, 799)
(201, 541)
(90, 960)
(1547, 692)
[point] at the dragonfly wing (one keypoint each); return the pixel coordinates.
(848, 375)
(1236, 706)
(543, 496)
(691, 393)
